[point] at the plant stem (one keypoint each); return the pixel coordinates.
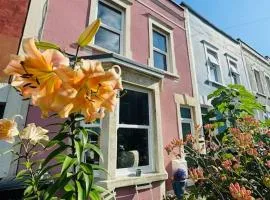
(27, 157)
(72, 136)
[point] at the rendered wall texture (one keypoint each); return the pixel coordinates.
(200, 32)
(12, 19)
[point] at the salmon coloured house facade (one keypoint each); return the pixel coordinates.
(149, 41)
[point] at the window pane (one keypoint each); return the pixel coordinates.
(258, 81)
(108, 40)
(110, 16)
(214, 73)
(134, 108)
(186, 129)
(212, 56)
(185, 113)
(159, 41)
(268, 83)
(132, 148)
(204, 110)
(91, 156)
(2, 109)
(160, 61)
(235, 78)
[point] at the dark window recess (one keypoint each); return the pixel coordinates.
(134, 108)
(129, 140)
(2, 109)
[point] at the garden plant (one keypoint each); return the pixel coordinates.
(236, 164)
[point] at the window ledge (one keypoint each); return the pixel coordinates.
(215, 83)
(123, 181)
(98, 48)
(261, 94)
(166, 73)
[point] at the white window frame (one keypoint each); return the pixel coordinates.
(125, 8)
(106, 27)
(165, 53)
(186, 120)
(233, 70)
(210, 47)
(257, 89)
(149, 168)
(154, 25)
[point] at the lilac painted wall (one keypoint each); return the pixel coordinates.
(66, 19)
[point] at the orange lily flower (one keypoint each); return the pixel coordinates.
(37, 73)
(97, 91)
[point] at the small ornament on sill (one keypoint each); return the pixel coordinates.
(138, 172)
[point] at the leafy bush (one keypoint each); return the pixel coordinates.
(236, 164)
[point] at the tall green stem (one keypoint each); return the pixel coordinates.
(72, 136)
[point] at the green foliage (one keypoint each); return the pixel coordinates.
(239, 155)
(230, 103)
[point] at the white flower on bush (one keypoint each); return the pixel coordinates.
(36, 134)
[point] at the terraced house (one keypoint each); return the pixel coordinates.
(258, 68)
(171, 59)
(216, 56)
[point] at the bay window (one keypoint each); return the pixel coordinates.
(110, 33)
(134, 134)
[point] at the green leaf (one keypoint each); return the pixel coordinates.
(67, 164)
(68, 195)
(53, 154)
(81, 194)
(28, 190)
(87, 168)
(93, 147)
(98, 167)
(88, 34)
(79, 150)
(98, 188)
(69, 187)
(44, 170)
(46, 45)
(59, 184)
(58, 138)
(94, 195)
(88, 180)
(21, 173)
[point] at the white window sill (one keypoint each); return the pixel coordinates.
(167, 73)
(98, 48)
(261, 94)
(123, 181)
(215, 83)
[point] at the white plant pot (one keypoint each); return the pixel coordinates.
(179, 163)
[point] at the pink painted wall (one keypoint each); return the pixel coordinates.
(12, 18)
(66, 19)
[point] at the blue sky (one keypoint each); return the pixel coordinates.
(245, 19)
